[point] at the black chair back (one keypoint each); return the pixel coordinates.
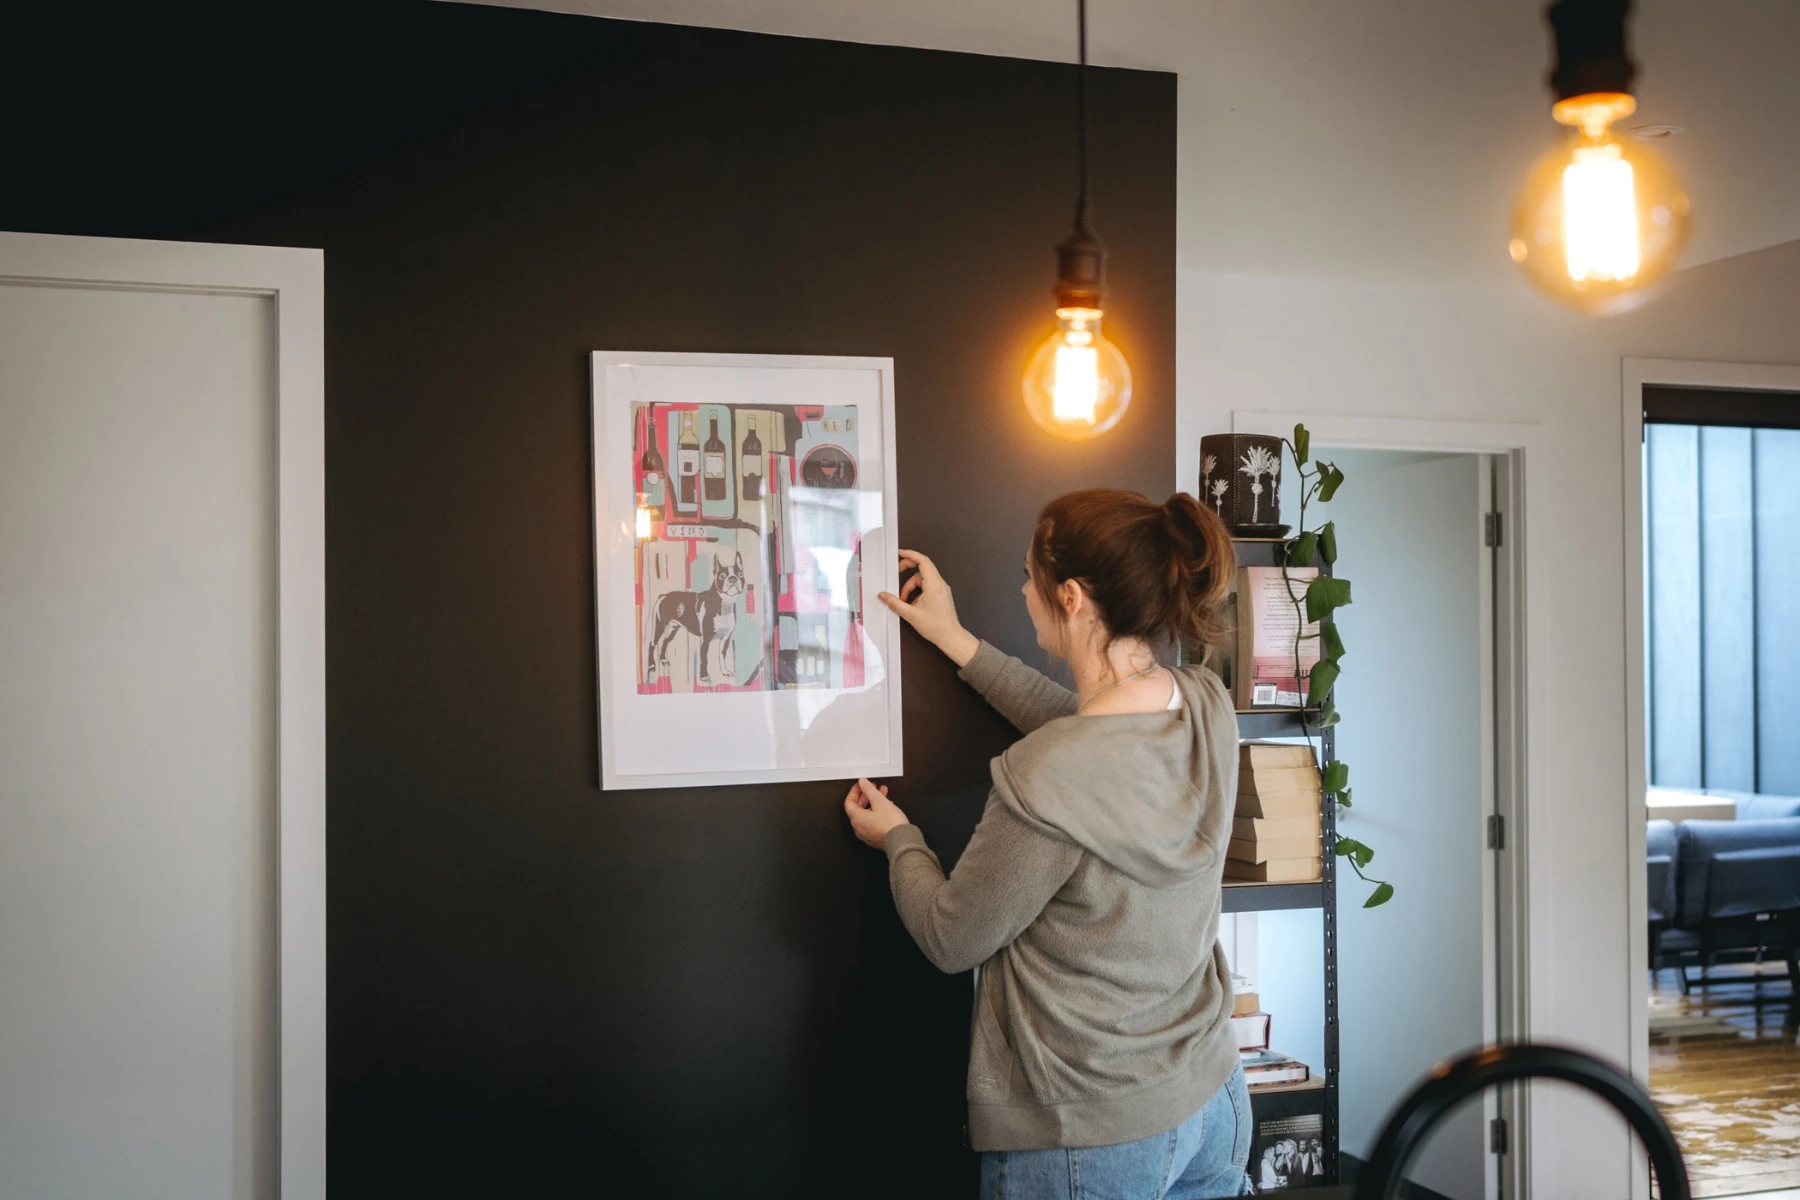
(1451, 1083)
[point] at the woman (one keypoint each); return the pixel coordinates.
(1101, 1060)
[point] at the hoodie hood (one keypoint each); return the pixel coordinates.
(1149, 794)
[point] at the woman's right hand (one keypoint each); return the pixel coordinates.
(925, 603)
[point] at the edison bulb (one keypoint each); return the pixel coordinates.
(1600, 218)
(1077, 385)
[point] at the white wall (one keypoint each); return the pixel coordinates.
(1343, 348)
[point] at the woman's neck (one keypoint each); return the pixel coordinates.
(1095, 669)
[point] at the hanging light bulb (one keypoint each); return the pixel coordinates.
(1599, 219)
(1078, 384)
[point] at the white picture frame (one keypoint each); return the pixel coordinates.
(738, 632)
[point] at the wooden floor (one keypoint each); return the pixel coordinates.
(1726, 1071)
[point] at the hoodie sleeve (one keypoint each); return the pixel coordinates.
(1023, 696)
(1001, 883)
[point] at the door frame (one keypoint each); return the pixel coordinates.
(294, 279)
(1635, 374)
(1519, 675)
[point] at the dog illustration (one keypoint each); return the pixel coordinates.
(710, 616)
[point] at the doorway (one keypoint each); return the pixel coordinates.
(1720, 472)
(1417, 977)
(161, 720)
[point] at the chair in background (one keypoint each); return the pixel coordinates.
(1736, 895)
(1661, 845)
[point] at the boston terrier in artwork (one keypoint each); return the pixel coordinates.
(709, 616)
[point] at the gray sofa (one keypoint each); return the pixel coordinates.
(1755, 806)
(1722, 890)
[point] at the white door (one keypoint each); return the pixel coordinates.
(142, 740)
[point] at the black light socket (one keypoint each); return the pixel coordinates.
(1080, 269)
(1590, 48)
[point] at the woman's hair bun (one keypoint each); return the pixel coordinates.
(1157, 571)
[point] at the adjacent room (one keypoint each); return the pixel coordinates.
(801, 598)
(1721, 471)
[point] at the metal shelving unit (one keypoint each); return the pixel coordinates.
(1265, 897)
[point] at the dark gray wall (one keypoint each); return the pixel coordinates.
(536, 988)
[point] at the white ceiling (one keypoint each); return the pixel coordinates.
(1370, 139)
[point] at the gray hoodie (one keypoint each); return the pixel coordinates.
(1089, 899)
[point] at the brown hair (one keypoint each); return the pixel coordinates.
(1160, 572)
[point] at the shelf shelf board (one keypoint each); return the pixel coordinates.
(1268, 897)
(1273, 722)
(1257, 552)
(1315, 1084)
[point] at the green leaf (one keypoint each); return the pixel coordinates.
(1328, 542)
(1343, 797)
(1334, 478)
(1325, 594)
(1381, 896)
(1302, 442)
(1330, 644)
(1300, 550)
(1328, 716)
(1347, 846)
(1337, 775)
(1324, 673)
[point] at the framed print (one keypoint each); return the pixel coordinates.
(743, 517)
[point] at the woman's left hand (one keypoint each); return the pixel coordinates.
(871, 813)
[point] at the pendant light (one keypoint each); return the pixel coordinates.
(1077, 384)
(1600, 218)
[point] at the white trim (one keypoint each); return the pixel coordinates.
(1394, 433)
(295, 280)
(1525, 959)
(1634, 375)
(1491, 1007)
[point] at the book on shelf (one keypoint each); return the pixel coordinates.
(1268, 829)
(1271, 781)
(1288, 1152)
(1280, 805)
(1276, 870)
(1251, 1030)
(1267, 672)
(1268, 1067)
(1260, 850)
(1259, 753)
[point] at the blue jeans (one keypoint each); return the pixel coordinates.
(1200, 1158)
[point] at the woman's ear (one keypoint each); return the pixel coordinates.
(1072, 598)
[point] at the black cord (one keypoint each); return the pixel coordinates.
(1081, 197)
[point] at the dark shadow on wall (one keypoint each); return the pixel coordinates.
(537, 988)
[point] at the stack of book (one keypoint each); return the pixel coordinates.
(1263, 1067)
(1267, 1069)
(1249, 1024)
(1275, 835)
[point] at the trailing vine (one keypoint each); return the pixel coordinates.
(1321, 597)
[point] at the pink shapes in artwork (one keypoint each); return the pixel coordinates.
(853, 653)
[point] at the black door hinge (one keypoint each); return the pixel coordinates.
(1490, 529)
(1496, 832)
(1497, 1135)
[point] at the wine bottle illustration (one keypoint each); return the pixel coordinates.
(715, 464)
(687, 461)
(654, 471)
(750, 458)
